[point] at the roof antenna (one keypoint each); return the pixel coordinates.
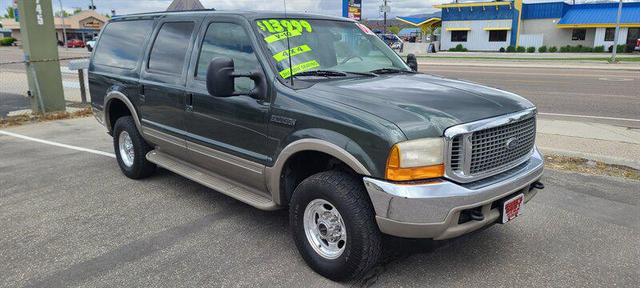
(289, 48)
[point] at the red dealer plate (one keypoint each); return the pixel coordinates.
(513, 207)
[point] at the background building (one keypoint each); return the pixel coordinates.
(83, 25)
(488, 26)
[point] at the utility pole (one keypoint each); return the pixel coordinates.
(616, 34)
(41, 55)
(64, 30)
(384, 9)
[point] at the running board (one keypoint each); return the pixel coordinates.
(211, 180)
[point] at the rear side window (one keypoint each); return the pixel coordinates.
(170, 48)
(120, 43)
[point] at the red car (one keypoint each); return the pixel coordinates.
(75, 43)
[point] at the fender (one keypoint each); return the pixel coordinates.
(118, 95)
(272, 174)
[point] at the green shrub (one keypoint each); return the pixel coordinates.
(502, 50)
(566, 49)
(587, 49)
(553, 49)
(7, 41)
(531, 49)
(510, 49)
(620, 48)
(598, 49)
(520, 49)
(577, 48)
(543, 49)
(458, 48)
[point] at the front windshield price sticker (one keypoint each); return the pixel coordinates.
(277, 26)
(280, 36)
(299, 68)
(280, 56)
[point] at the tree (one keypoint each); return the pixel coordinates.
(76, 10)
(394, 29)
(63, 14)
(10, 12)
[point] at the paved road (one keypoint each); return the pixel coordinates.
(601, 93)
(69, 218)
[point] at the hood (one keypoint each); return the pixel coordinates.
(421, 105)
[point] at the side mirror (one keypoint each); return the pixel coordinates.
(221, 79)
(411, 61)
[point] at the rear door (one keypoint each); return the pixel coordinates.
(163, 82)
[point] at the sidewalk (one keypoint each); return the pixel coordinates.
(520, 63)
(600, 142)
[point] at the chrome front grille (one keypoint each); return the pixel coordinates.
(487, 147)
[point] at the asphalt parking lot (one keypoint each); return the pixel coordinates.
(70, 218)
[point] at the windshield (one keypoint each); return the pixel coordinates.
(325, 45)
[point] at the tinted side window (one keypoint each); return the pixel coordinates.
(120, 44)
(170, 47)
(228, 40)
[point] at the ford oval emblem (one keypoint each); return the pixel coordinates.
(511, 143)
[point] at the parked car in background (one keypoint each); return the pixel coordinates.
(91, 44)
(392, 40)
(75, 43)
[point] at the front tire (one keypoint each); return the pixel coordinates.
(333, 225)
(131, 149)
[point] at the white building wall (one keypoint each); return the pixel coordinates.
(554, 36)
(477, 38)
(599, 37)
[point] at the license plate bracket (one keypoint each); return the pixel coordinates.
(512, 208)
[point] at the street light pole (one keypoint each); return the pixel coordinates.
(616, 34)
(64, 30)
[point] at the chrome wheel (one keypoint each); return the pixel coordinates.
(126, 148)
(325, 229)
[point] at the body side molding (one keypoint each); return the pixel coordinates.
(272, 174)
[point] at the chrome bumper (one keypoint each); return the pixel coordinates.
(432, 210)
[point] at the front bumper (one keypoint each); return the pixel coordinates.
(433, 209)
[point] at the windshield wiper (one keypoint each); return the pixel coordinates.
(390, 71)
(321, 73)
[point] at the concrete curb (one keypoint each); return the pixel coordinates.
(529, 65)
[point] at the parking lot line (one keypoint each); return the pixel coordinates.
(57, 144)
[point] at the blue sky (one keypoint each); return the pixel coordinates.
(331, 7)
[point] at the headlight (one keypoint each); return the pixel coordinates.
(416, 159)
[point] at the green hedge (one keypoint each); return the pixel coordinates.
(520, 49)
(543, 49)
(510, 49)
(7, 41)
(531, 49)
(598, 49)
(553, 49)
(458, 48)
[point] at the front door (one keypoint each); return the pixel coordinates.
(163, 84)
(227, 135)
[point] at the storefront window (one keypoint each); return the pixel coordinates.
(609, 34)
(578, 34)
(459, 36)
(498, 36)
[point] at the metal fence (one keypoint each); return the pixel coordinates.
(15, 97)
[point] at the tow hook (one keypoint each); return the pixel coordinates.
(476, 215)
(538, 185)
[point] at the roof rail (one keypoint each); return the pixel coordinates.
(166, 12)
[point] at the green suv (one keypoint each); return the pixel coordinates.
(314, 114)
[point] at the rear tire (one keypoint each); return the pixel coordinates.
(324, 205)
(131, 149)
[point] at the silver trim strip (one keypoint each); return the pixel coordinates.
(466, 130)
(118, 95)
(272, 174)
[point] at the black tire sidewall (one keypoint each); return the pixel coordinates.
(359, 237)
(140, 167)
